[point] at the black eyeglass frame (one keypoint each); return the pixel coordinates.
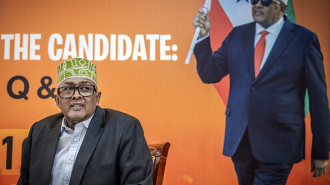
(265, 3)
(74, 90)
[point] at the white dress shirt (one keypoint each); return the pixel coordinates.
(67, 150)
(273, 32)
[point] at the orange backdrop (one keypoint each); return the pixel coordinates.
(166, 95)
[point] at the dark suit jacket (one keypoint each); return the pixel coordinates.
(271, 106)
(114, 151)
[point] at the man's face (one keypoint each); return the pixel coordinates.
(77, 108)
(266, 16)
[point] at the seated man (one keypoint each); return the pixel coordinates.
(84, 144)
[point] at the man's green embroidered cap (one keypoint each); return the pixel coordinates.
(76, 67)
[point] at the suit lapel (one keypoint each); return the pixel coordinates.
(49, 153)
(280, 45)
(88, 146)
(249, 44)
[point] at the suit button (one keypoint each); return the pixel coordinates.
(253, 88)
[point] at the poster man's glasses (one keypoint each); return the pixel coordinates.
(265, 3)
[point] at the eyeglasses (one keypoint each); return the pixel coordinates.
(265, 3)
(68, 91)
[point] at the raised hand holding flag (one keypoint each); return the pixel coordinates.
(206, 9)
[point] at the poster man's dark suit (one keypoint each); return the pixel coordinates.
(114, 152)
(271, 106)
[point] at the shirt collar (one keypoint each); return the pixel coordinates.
(85, 123)
(273, 29)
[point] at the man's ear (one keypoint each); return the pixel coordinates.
(98, 96)
(283, 8)
(57, 100)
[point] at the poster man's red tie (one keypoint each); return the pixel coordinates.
(259, 52)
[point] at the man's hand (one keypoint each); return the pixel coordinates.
(202, 21)
(319, 167)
